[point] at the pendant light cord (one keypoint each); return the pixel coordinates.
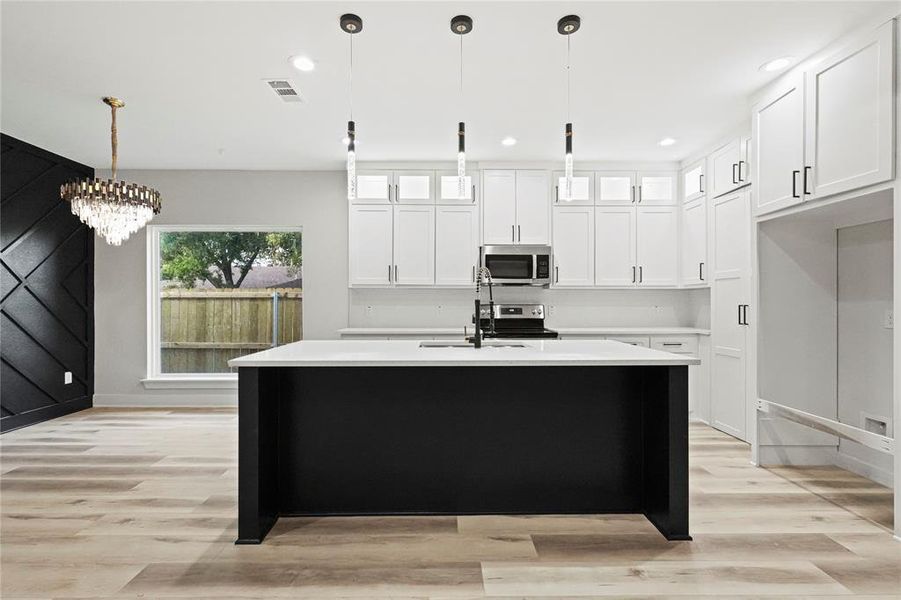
(351, 79)
(568, 93)
(462, 103)
(114, 142)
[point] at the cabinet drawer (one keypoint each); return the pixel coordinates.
(678, 344)
(635, 340)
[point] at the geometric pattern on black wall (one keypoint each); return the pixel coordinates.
(46, 289)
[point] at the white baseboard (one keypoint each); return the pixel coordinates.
(864, 469)
(177, 400)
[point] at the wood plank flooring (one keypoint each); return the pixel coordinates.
(141, 504)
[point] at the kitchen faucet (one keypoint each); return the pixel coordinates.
(476, 339)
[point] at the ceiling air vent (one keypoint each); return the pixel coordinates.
(284, 90)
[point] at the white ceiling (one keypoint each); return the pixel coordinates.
(191, 74)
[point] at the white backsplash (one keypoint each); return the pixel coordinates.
(566, 308)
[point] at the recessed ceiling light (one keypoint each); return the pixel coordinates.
(303, 63)
(777, 64)
(509, 141)
(668, 141)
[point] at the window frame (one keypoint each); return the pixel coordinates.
(155, 379)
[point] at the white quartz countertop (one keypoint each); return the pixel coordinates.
(414, 331)
(408, 353)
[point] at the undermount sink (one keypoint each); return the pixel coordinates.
(465, 344)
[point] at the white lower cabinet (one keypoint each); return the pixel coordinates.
(371, 244)
(657, 253)
(730, 306)
(456, 245)
(414, 244)
(573, 244)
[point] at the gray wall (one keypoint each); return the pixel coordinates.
(312, 200)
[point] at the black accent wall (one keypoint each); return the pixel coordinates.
(46, 289)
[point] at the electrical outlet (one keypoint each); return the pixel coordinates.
(888, 320)
(551, 310)
(67, 377)
(368, 311)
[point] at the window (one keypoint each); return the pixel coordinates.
(216, 293)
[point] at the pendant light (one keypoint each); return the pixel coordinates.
(114, 209)
(567, 26)
(461, 25)
(351, 24)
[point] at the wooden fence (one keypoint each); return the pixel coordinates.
(203, 329)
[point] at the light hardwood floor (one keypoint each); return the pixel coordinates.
(141, 504)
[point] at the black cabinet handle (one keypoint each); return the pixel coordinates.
(389, 273)
(701, 271)
(395, 273)
(519, 231)
(739, 314)
(806, 171)
(701, 183)
(473, 193)
(734, 176)
(639, 194)
(633, 273)
(556, 193)
(740, 163)
(513, 232)
(795, 184)
(640, 274)
(556, 274)
(633, 194)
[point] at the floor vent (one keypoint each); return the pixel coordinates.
(284, 90)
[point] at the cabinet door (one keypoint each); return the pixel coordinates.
(533, 207)
(414, 187)
(849, 122)
(614, 258)
(374, 187)
(371, 245)
(615, 187)
(414, 245)
(724, 164)
(574, 245)
(448, 188)
(777, 122)
(731, 289)
(694, 243)
(658, 189)
(693, 182)
(658, 253)
(456, 245)
(583, 188)
(498, 207)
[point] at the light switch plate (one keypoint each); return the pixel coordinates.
(67, 377)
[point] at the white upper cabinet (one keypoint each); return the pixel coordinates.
(448, 188)
(777, 123)
(694, 243)
(657, 255)
(848, 139)
(693, 181)
(724, 165)
(615, 187)
(533, 213)
(498, 207)
(414, 245)
(516, 207)
(456, 245)
(614, 261)
(573, 243)
(582, 192)
(370, 251)
(374, 187)
(656, 188)
(414, 187)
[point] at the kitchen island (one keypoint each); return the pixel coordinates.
(515, 427)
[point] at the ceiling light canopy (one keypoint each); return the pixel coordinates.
(777, 64)
(303, 63)
(667, 141)
(509, 141)
(114, 209)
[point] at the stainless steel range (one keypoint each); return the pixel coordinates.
(514, 321)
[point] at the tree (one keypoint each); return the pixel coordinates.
(225, 258)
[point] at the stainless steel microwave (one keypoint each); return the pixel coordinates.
(511, 264)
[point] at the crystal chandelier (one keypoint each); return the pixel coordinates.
(114, 209)
(567, 26)
(461, 25)
(351, 24)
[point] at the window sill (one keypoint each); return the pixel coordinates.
(223, 382)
